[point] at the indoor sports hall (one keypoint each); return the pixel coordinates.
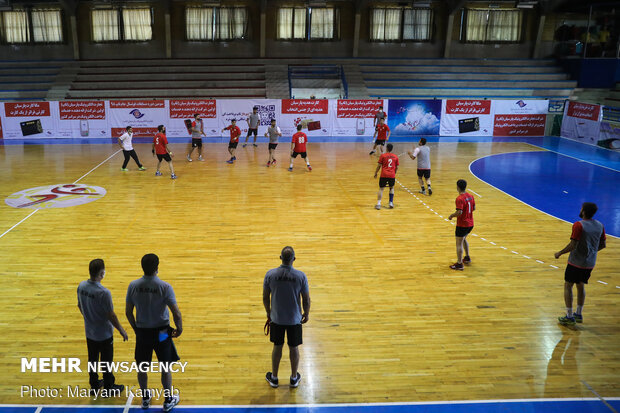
(517, 98)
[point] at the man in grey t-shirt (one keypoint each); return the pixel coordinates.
(378, 116)
(253, 122)
(152, 298)
(95, 304)
(586, 240)
(423, 154)
(285, 291)
(273, 133)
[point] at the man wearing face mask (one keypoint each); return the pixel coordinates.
(95, 304)
(586, 240)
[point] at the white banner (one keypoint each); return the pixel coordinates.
(466, 117)
(142, 115)
(354, 117)
(182, 111)
(240, 110)
(82, 119)
(520, 107)
(581, 122)
(32, 120)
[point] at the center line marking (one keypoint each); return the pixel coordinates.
(602, 282)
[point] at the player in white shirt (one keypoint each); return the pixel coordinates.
(124, 141)
(423, 154)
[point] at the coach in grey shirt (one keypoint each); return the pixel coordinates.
(95, 304)
(285, 291)
(151, 298)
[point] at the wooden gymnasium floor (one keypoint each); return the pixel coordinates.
(390, 322)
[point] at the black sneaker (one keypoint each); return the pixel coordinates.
(146, 401)
(93, 390)
(170, 404)
(295, 381)
(430, 191)
(466, 260)
(272, 382)
(116, 388)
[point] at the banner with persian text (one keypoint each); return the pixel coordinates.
(142, 115)
(312, 114)
(355, 117)
(32, 120)
(520, 117)
(182, 111)
(464, 117)
(581, 122)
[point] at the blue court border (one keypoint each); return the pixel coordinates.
(568, 405)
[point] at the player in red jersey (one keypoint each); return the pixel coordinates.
(235, 132)
(160, 148)
(388, 163)
(382, 133)
(298, 147)
(465, 207)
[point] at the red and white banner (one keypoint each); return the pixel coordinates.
(82, 119)
(581, 122)
(312, 114)
(33, 120)
(584, 111)
(182, 110)
(466, 117)
(142, 115)
(354, 117)
(520, 117)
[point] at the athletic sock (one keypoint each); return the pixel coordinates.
(569, 312)
(579, 309)
(391, 198)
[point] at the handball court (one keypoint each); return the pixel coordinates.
(391, 326)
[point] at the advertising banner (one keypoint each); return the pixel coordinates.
(609, 136)
(29, 120)
(354, 117)
(582, 122)
(182, 110)
(82, 119)
(240, 110)
(414, 117)
(312, 114)
(142, 115)
(520, 117)
(466, 117)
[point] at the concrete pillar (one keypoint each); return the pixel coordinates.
(74, 37)
(537, 45)
(263, 28)
(356, 34)
(449, 30)
(168, 35)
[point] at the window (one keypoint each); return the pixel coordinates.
(493, 26)
(105, 25)
(112, 25)
(137, 24)
(216, 23)
(47, 26)
(398, 24)
(31, 26)
(15, 27)
(293, 23)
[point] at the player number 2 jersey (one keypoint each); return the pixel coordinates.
(389, 162)
(466, 203)
(300, 139)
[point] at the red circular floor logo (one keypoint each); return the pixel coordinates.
(55, 196)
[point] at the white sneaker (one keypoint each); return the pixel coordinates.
(378, 206)
(189, 159)
(391, 205)
(200, 159)
(173, 402)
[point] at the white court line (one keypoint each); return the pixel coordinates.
(504, 248)
(525, 203)
(9, 230)
(568, 156)
(553, 266)
(525, 256)
(602, 282)
(492, 243)
(128, 403)
(617, 286)
(515, 252)
(38, 409)
(471, 190)
(87, 173)
(540, 262)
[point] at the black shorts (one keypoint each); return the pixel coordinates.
(232, 144)
(293, 334)
(273, 145)
(380, 142)
(303, 154)
(196, 142)
(383, 182)
(462, 231)
(157, 339)
(165, 157)
(252, 131)
(577, 275)
(426, 173)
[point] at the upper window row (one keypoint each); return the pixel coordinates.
(389, 24)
